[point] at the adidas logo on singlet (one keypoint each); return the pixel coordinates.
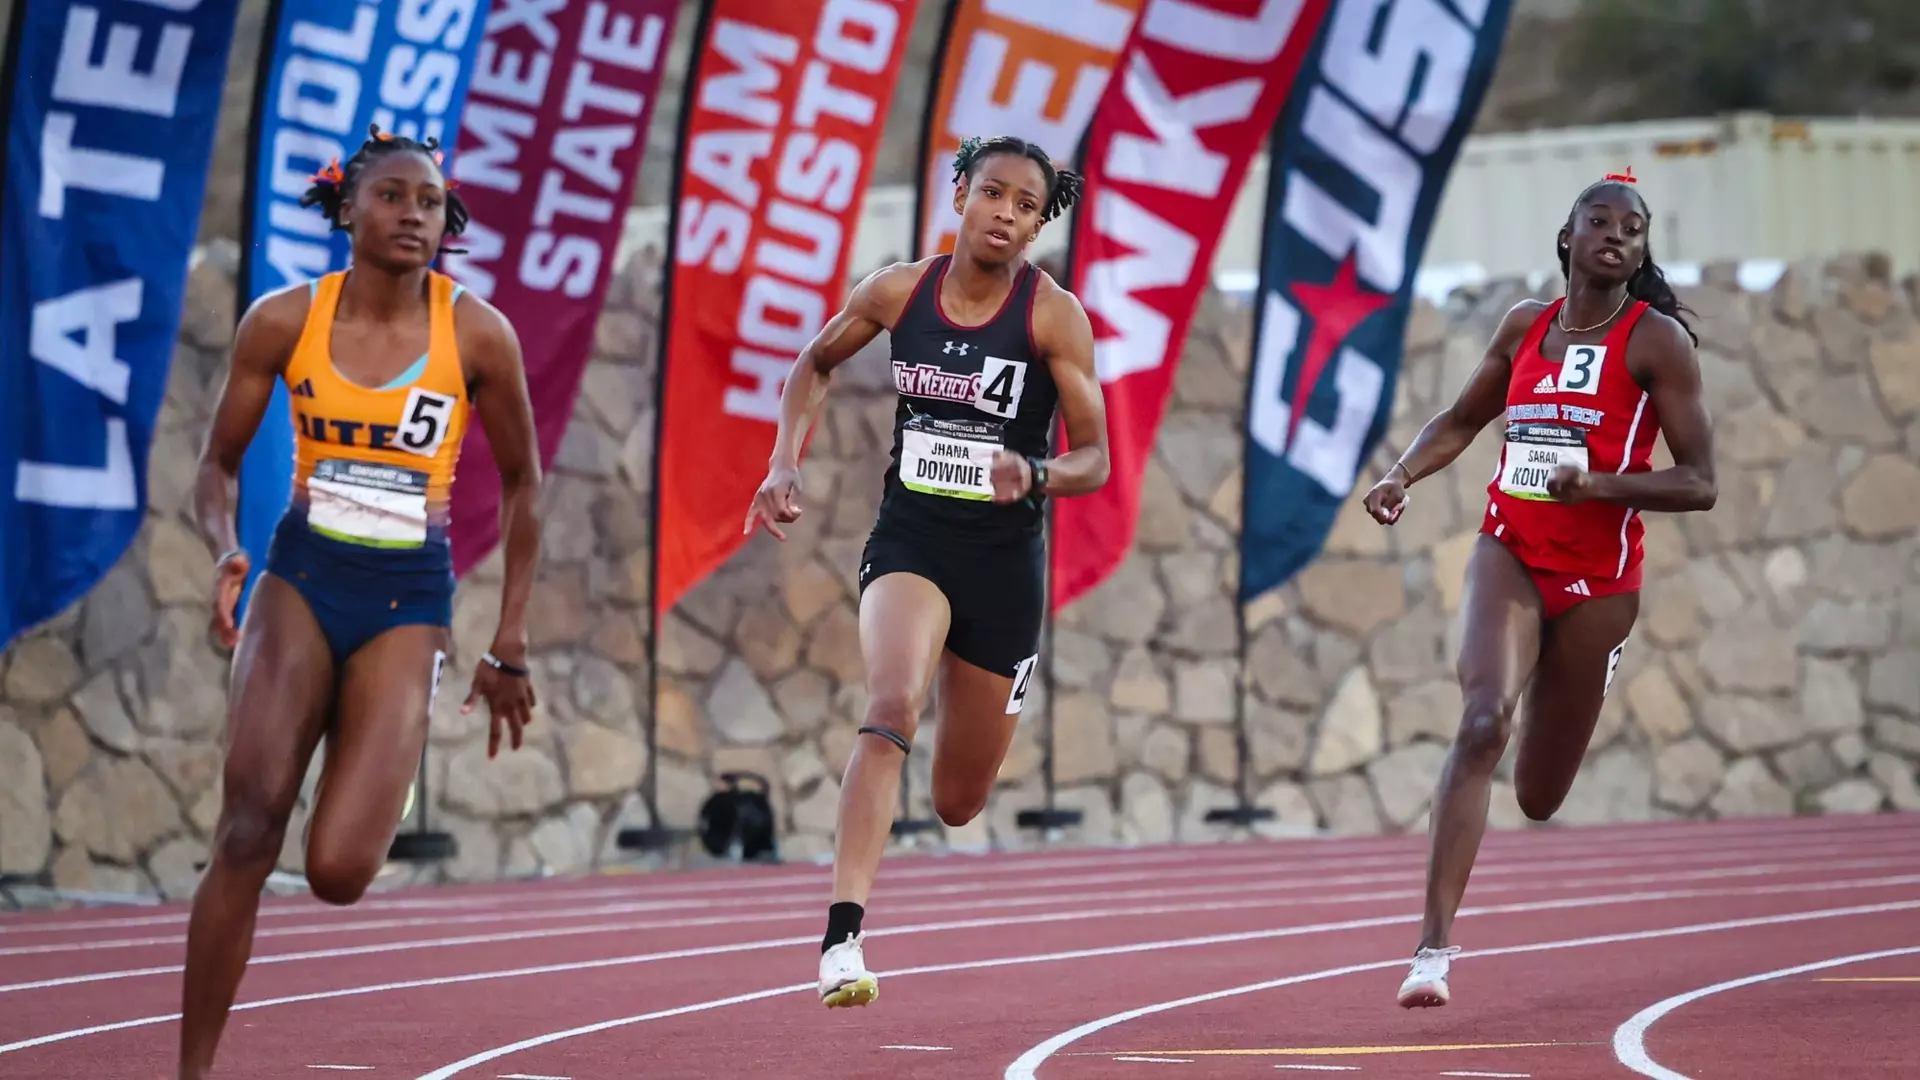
(1579, 588)
(305, 389)
(1545, 385)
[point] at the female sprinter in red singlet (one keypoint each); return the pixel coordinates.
(347, 628)
(1586, 384)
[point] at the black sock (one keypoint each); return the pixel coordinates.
(843, 922)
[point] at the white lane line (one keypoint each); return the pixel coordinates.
(344, 1068)
(1604, 900)
(1321, 1068)
(1285, 884)
(1629, 1039)
(1155, 1060)
(1507, 1076)
(531, 1076)
(1215, 939)
(1023, 1067)
(1879, 828)
(1318, 900)
(1292, 874)
(898, 1046)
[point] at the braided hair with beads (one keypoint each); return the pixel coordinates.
(333, 187)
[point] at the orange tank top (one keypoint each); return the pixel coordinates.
(374, 465)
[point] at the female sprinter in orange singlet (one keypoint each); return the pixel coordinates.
(348, 627)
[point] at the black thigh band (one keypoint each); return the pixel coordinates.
(892, 736)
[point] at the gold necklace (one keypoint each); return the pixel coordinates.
(1595, 326)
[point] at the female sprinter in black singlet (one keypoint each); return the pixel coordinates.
(985, 348)
(348, 627)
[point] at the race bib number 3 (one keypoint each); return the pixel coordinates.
(363, 503)
(1533, 452)
(949, 459)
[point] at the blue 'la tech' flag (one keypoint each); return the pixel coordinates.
(109, 114)
(328, 68)
(1359, 160)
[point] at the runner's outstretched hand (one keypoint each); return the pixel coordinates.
(229, 577)
(775, 501)
(509, 695)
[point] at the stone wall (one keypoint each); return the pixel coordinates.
(1775, 668)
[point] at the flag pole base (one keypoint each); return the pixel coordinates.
(1049, 818)
(1239, 815)
(649, 838)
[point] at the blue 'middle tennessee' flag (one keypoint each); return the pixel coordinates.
(1358, 164)
(328, 68)
(110, 108)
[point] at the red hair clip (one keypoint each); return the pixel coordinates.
(1624, 178)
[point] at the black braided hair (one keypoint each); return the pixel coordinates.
(1649, 282)
(1063, 185)
(333, 186)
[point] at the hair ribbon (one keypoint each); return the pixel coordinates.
(330, 175)
(1623, 178)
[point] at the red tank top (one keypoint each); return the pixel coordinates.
(1585, 409)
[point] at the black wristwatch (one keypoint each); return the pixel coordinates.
(1039, 470)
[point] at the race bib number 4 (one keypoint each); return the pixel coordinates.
(1533, 452)
(364, 503)
(948, 458)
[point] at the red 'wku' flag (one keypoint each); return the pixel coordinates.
(1202, 84)
(785, 108)
(552, 136)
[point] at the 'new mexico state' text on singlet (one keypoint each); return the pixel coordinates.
(964, 393)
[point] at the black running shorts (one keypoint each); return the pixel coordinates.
(996, 594)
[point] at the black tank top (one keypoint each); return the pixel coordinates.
(964, 393)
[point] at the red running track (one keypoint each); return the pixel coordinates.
(1688, 950)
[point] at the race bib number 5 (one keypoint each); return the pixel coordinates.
(948, 458)
(1533, 452)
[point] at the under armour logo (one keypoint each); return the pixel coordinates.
(959, 347)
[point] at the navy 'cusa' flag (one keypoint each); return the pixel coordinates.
(1359, 161)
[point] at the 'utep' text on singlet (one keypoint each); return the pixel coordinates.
(1584, 410)
(965, 393)
(374, 466)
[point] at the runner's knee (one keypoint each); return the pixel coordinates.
(1485, 725)
(891, 716)
(253, 825)
(337, 876)
(955, 805)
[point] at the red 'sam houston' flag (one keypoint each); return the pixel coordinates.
(1033, 70)
(551, 139)
(1200, 88)
(785, 108)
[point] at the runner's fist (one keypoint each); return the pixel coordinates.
(1011, 477)
(229, 577)
(1570, 484)
(775, 501)
(1388, 499)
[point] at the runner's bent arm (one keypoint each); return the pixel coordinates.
(1481, 401)
(497, 380)
(262, 345)
(872, 307)
(1670, 372)
(1065, 337)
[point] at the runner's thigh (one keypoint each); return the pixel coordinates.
(279, 694)
(373, 755)
(1577, 664)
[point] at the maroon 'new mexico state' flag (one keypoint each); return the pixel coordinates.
(552, 137)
